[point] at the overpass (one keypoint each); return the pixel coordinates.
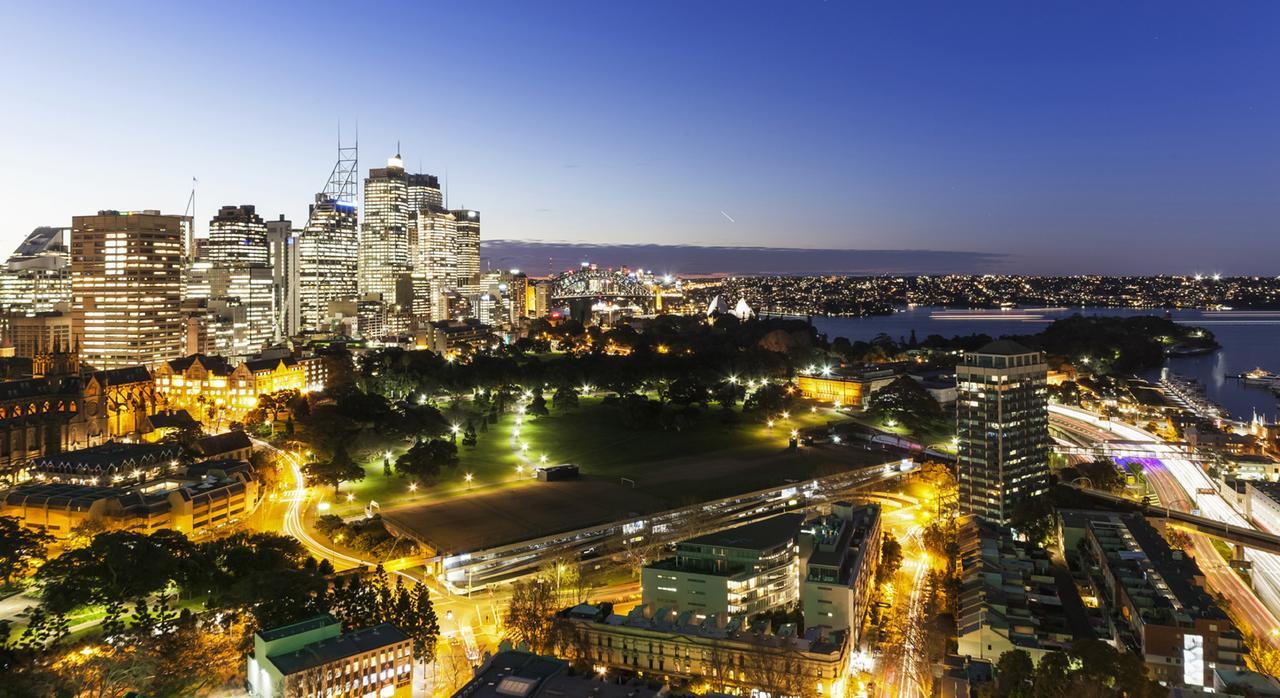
(1221, 530)
(466, 571)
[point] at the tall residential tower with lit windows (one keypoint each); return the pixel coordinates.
(1002, 429)
(126, 287)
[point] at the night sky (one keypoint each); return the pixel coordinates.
(1023, 136)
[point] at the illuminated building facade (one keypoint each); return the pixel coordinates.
(466, 246)
(1002, 428)
(313, 657)
(328, 259)
(841, 552)
(849, 389)
(36, 278)
(126, 287)
(237, 236)
(127, 495)
(384, 232)
(70, 410)
(743, 570)
(725, 652)
(212, 390)
(434, 262)
(41, 333)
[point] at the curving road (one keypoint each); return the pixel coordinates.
(1184, 485)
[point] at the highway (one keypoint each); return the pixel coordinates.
(1184, 485)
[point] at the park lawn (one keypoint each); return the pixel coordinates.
(588, 436)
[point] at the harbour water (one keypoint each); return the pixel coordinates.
(1249, 339)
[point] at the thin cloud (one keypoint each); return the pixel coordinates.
(543, 257)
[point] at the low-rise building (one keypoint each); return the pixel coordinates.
(840, 553)
(135, 497)
(213, 390)
(1157, 600)
(721, 651)
(851, 387)
(1253, 467)
(1008, 597)
(455, 337)
(313, 658)
(745, 569)
(517, 674)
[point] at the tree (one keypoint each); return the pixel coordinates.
(538, 405)
(334, 471)
(565, 399)
(890, 558)
(1014, 674)
(529, 614)
(1051, 675)
(424, 460)
(1034, 518)
(19, 547)
(905, 402)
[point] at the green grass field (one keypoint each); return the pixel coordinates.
(590, 436)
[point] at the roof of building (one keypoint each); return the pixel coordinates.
(173, 419)
(225, 442)
(1005, 347)
(213, 364)
(110, 455)
(127, 374)
(755, 536)
(257, 365)
(336, 648)
(305, 625)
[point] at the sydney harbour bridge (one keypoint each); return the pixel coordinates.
(589, 290)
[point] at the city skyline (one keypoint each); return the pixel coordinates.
(996, 131)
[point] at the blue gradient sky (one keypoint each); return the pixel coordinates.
(1081, 136)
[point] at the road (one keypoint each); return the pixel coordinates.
(469, 624)
(898, 673)
(1184, 485)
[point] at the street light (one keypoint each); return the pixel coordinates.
(413, 487)
(351, 497)
(542, 458)
(468, 477)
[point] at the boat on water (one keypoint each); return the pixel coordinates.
(1259, 376)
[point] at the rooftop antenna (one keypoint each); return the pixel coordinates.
(190, 214)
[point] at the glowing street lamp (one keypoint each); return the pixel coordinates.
(794, 433)
(519, 470)
(468, 477)
(786, 414)
(769, 423)
(413, 487)
(322, 506)
(524, 447)
(542, 459)
(351, 497)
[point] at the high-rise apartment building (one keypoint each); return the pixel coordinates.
(327, 256)
(384, 232)
(36, 278)
(1002, 428)
(282, 250)
(126, 287)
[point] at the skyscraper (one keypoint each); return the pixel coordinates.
(237, 235)
(432, 244)
(1002, 428)
(126, 287)
(466, 246)
(282, 250)
(384, 233)
(328, 249)
(240, 282)
(327, 257)
(424, 192)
